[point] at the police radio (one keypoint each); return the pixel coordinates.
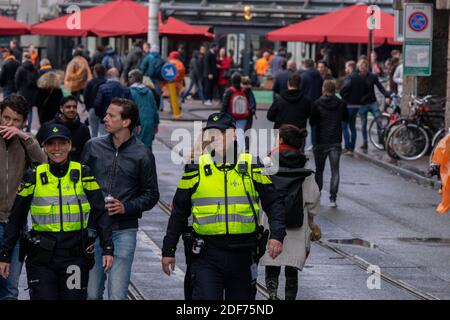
(74, 175)
(242, 167)
(44, 178)
(207, 169)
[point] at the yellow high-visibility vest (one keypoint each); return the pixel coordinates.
(220, 203)
(55, 204)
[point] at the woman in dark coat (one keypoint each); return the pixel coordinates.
(49, 96)
(26, 84)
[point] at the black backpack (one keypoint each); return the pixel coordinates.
(288, 183)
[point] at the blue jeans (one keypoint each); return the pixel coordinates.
(240, 135)
(94, 123)
(363, 111)
(198, 84)
(9, 288)
(120, 273)
(350, 138)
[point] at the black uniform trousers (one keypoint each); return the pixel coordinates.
(60, 278)
(217, 272)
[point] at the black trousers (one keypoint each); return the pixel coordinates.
(61, 278)
(218, 273)
(210, 86)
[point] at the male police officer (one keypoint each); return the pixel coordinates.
(64, 201)
(223, 198)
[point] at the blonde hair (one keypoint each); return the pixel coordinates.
(199, 147)
(329, 86)
(49, 80)
(363, 61)
(45, 62)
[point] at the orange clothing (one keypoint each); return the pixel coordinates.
(441, 156)
(261, 66)
(181, 70)
(34, 57)
(179, 80)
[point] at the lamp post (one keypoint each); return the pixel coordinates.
(153, 33)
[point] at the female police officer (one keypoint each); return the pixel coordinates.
(66, 206)
(222, 195)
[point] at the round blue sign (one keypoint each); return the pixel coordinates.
(418, 21)
(169, 72)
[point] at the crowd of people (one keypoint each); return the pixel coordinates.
(90, 81)
(310, 93)
(103, 185)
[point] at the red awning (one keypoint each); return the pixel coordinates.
(9, 27)
(175, 28)
(348, 25)
(116, 18)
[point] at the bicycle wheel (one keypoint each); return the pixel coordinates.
(434, 142)
(376, 131)
(388, 145)
(410, 141)
(389, 128)
(437, 137)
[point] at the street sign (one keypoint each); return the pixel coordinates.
(169, 72)
(418, 21)
(417, 57)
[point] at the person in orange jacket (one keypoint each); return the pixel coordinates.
(441, 161)
(174, 58)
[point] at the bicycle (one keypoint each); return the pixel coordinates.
(415, 103)
(390, 114)
(411, 137)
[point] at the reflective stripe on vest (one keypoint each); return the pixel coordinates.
(208, 201)
(51, 210)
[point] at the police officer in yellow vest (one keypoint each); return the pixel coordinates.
(220, 194)
(67, 210)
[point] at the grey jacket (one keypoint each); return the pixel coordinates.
(13, 164)
(127, 173)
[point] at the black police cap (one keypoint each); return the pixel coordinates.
(55, 130)
(221, 121)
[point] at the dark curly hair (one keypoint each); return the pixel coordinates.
(17, 103)
(293, 136)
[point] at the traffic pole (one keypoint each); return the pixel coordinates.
(153, 32)
(176, 111)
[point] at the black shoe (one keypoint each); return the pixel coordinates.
(364, 146)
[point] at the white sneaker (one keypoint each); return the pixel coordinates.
(333, 204)
(348, 153)
(208, 103)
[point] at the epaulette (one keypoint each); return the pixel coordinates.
(30, 176)
(85, 171)
(190, 167)
(258, 164)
